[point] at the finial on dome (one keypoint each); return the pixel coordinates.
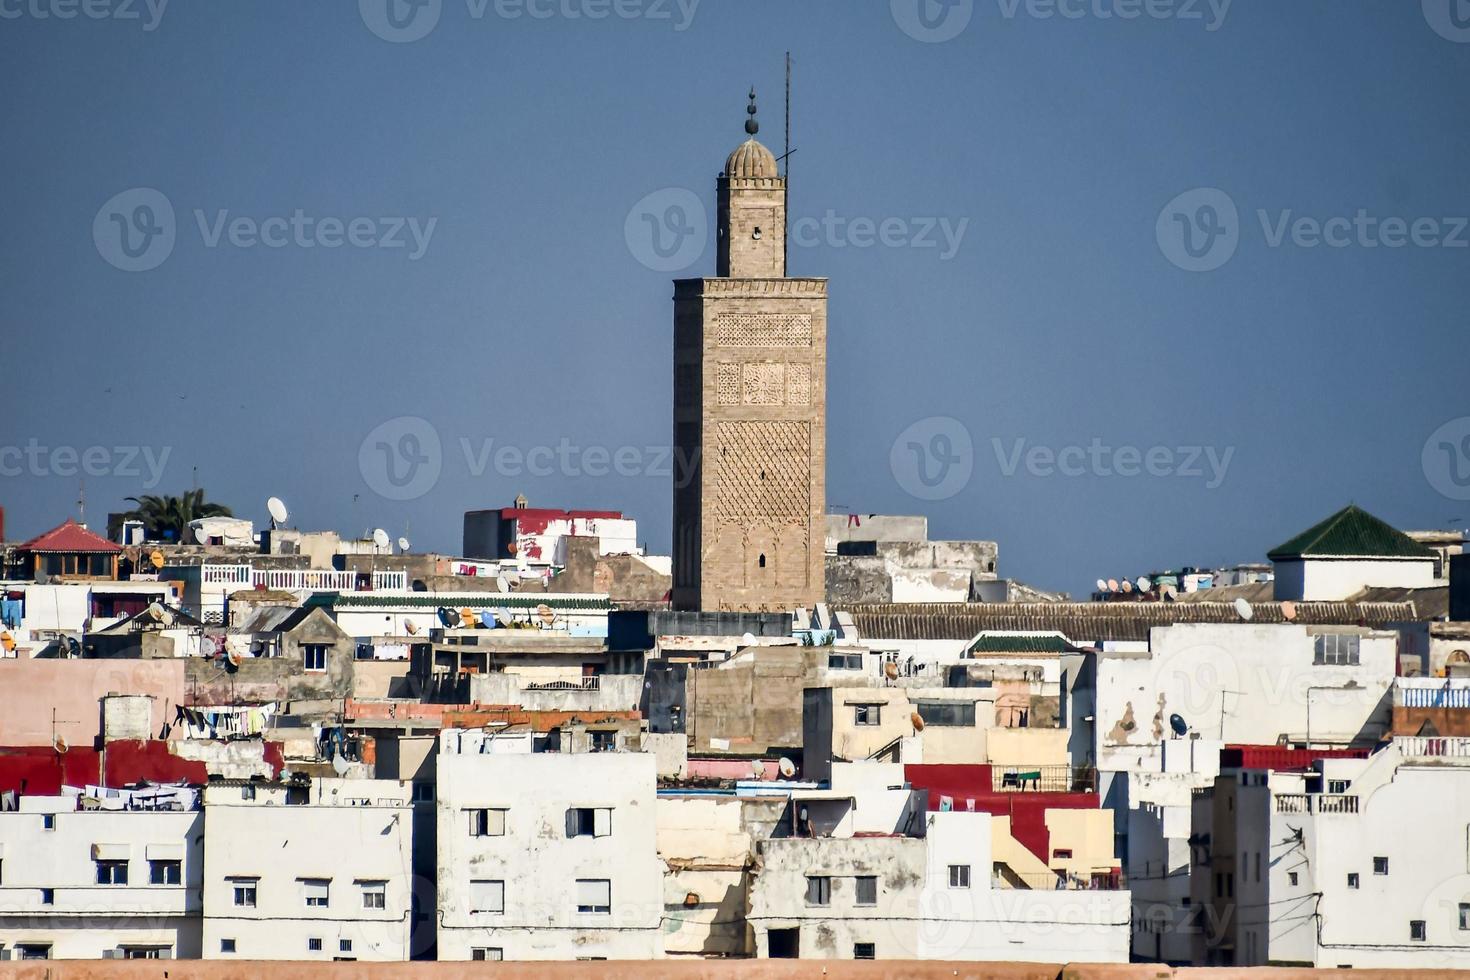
(751, 125)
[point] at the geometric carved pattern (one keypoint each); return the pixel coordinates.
(798, 384)
(763, 330)
(762, 383)
(727, 384)
(764, 472)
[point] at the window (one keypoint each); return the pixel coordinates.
(959, 876)
(247, 792)
(844, 661)
(1380, 865)
(165, 872)
(867, 889)
(487, 953)
(314, 945)
(487, 822)
(866, 714)
(244, 889)
(1416, 930)
(315, 656)
(423, 792)
(1335, 649)
(112, 872)
(226, 945)
(1465, 915)
(145, 952)
(594, 895)
(818, 890)
(374, 894)
(1337, 786)
(317, 892)
(1258, 867)
(1352, 879)
(1291, 877)
(487, 895)
(48, 822)
(1062, 854)
(588, 821)
(603, 740)
(864, 951)
(48, 896)
(33, 951)
(951, 714)
(344, 946)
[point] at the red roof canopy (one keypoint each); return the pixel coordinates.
(70, 536)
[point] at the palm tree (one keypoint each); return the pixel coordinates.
(165, 518)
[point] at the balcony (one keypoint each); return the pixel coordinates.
(1005, 878)
(300, 579)
(1432, 747)
(1323, 803)
(1043, 779)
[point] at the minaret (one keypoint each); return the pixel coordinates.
(751, 223)
(750, 397)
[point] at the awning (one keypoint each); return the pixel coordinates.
(111, 852)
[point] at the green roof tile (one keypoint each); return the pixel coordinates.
(1351, 532)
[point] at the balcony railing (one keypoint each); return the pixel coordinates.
(1043, 779)
(1433, 747)
(1324, 803)
(593, 683)
(225, 574)
(1006, 878)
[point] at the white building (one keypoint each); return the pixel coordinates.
(546, 855)
(1355, 863)
(861, 871)
(1346, 553)
(311, 871)
(95, 884)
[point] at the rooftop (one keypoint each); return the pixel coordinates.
(70, 537)
(1353, 533)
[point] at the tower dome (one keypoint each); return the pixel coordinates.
(751, 159)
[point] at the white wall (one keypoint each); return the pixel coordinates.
(353, 830)
(1333, 579)
(540, 864)
(88, 919)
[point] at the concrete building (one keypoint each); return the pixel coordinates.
(99, 883)
(875, 558)
(545, 855)
(750, 408)
(1353, 863)
(1347, 552)
(540, 536)
(309, 870)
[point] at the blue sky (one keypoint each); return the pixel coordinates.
(1057, 319)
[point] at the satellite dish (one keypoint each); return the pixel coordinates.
(7, 641)
(168, 618)
(547, 616)
(156, 558)
(448, 616)
(503, 616)
(1126, 586)
(1243, 609)
(487, 619)
(155, 610)
(340, 765)
(1102, 585)
(501, 585)
(1288, 610)
(747, 640)
(467, 617)
(59, 744)
(757, 769)
(918, 721)
(403, 544)
(277, 509)
(787, 767)
(1143, 583)
(411, 627)
(233, 656)
(1112, 585)
(1181, 728)
(890, 670)
(381, 541)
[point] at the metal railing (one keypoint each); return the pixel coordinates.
(1043, 779)
(300, 579)
(1059, 881)
(593, 683)
(1324, 803)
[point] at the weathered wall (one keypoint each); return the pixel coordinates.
(753, 702)
(73, 689)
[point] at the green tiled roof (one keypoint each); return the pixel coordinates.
(1003, 643)
(1351, 532)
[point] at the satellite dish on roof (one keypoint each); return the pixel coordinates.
(1125, 586)
(403, 544)
(1143, 583)
(890, 670)
(757, 769)
(501, 584)
(1181, 728)
(1102, 585)
(487, 619)
(381, 541)
(747, 639)
(155, 611)
(277, 509)
(340, 765)
(59, 744)
(7, 641)
(234, 657)
(411, 627)
(156, 558)
(168, 617)
(503, 616)
(918, 721)
(467, 617)
(448, 616)
(547, 616)
(1243, 609)
(1112, 585)
(787, 767)
(1288, 610)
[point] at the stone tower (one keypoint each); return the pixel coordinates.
(750, 408)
